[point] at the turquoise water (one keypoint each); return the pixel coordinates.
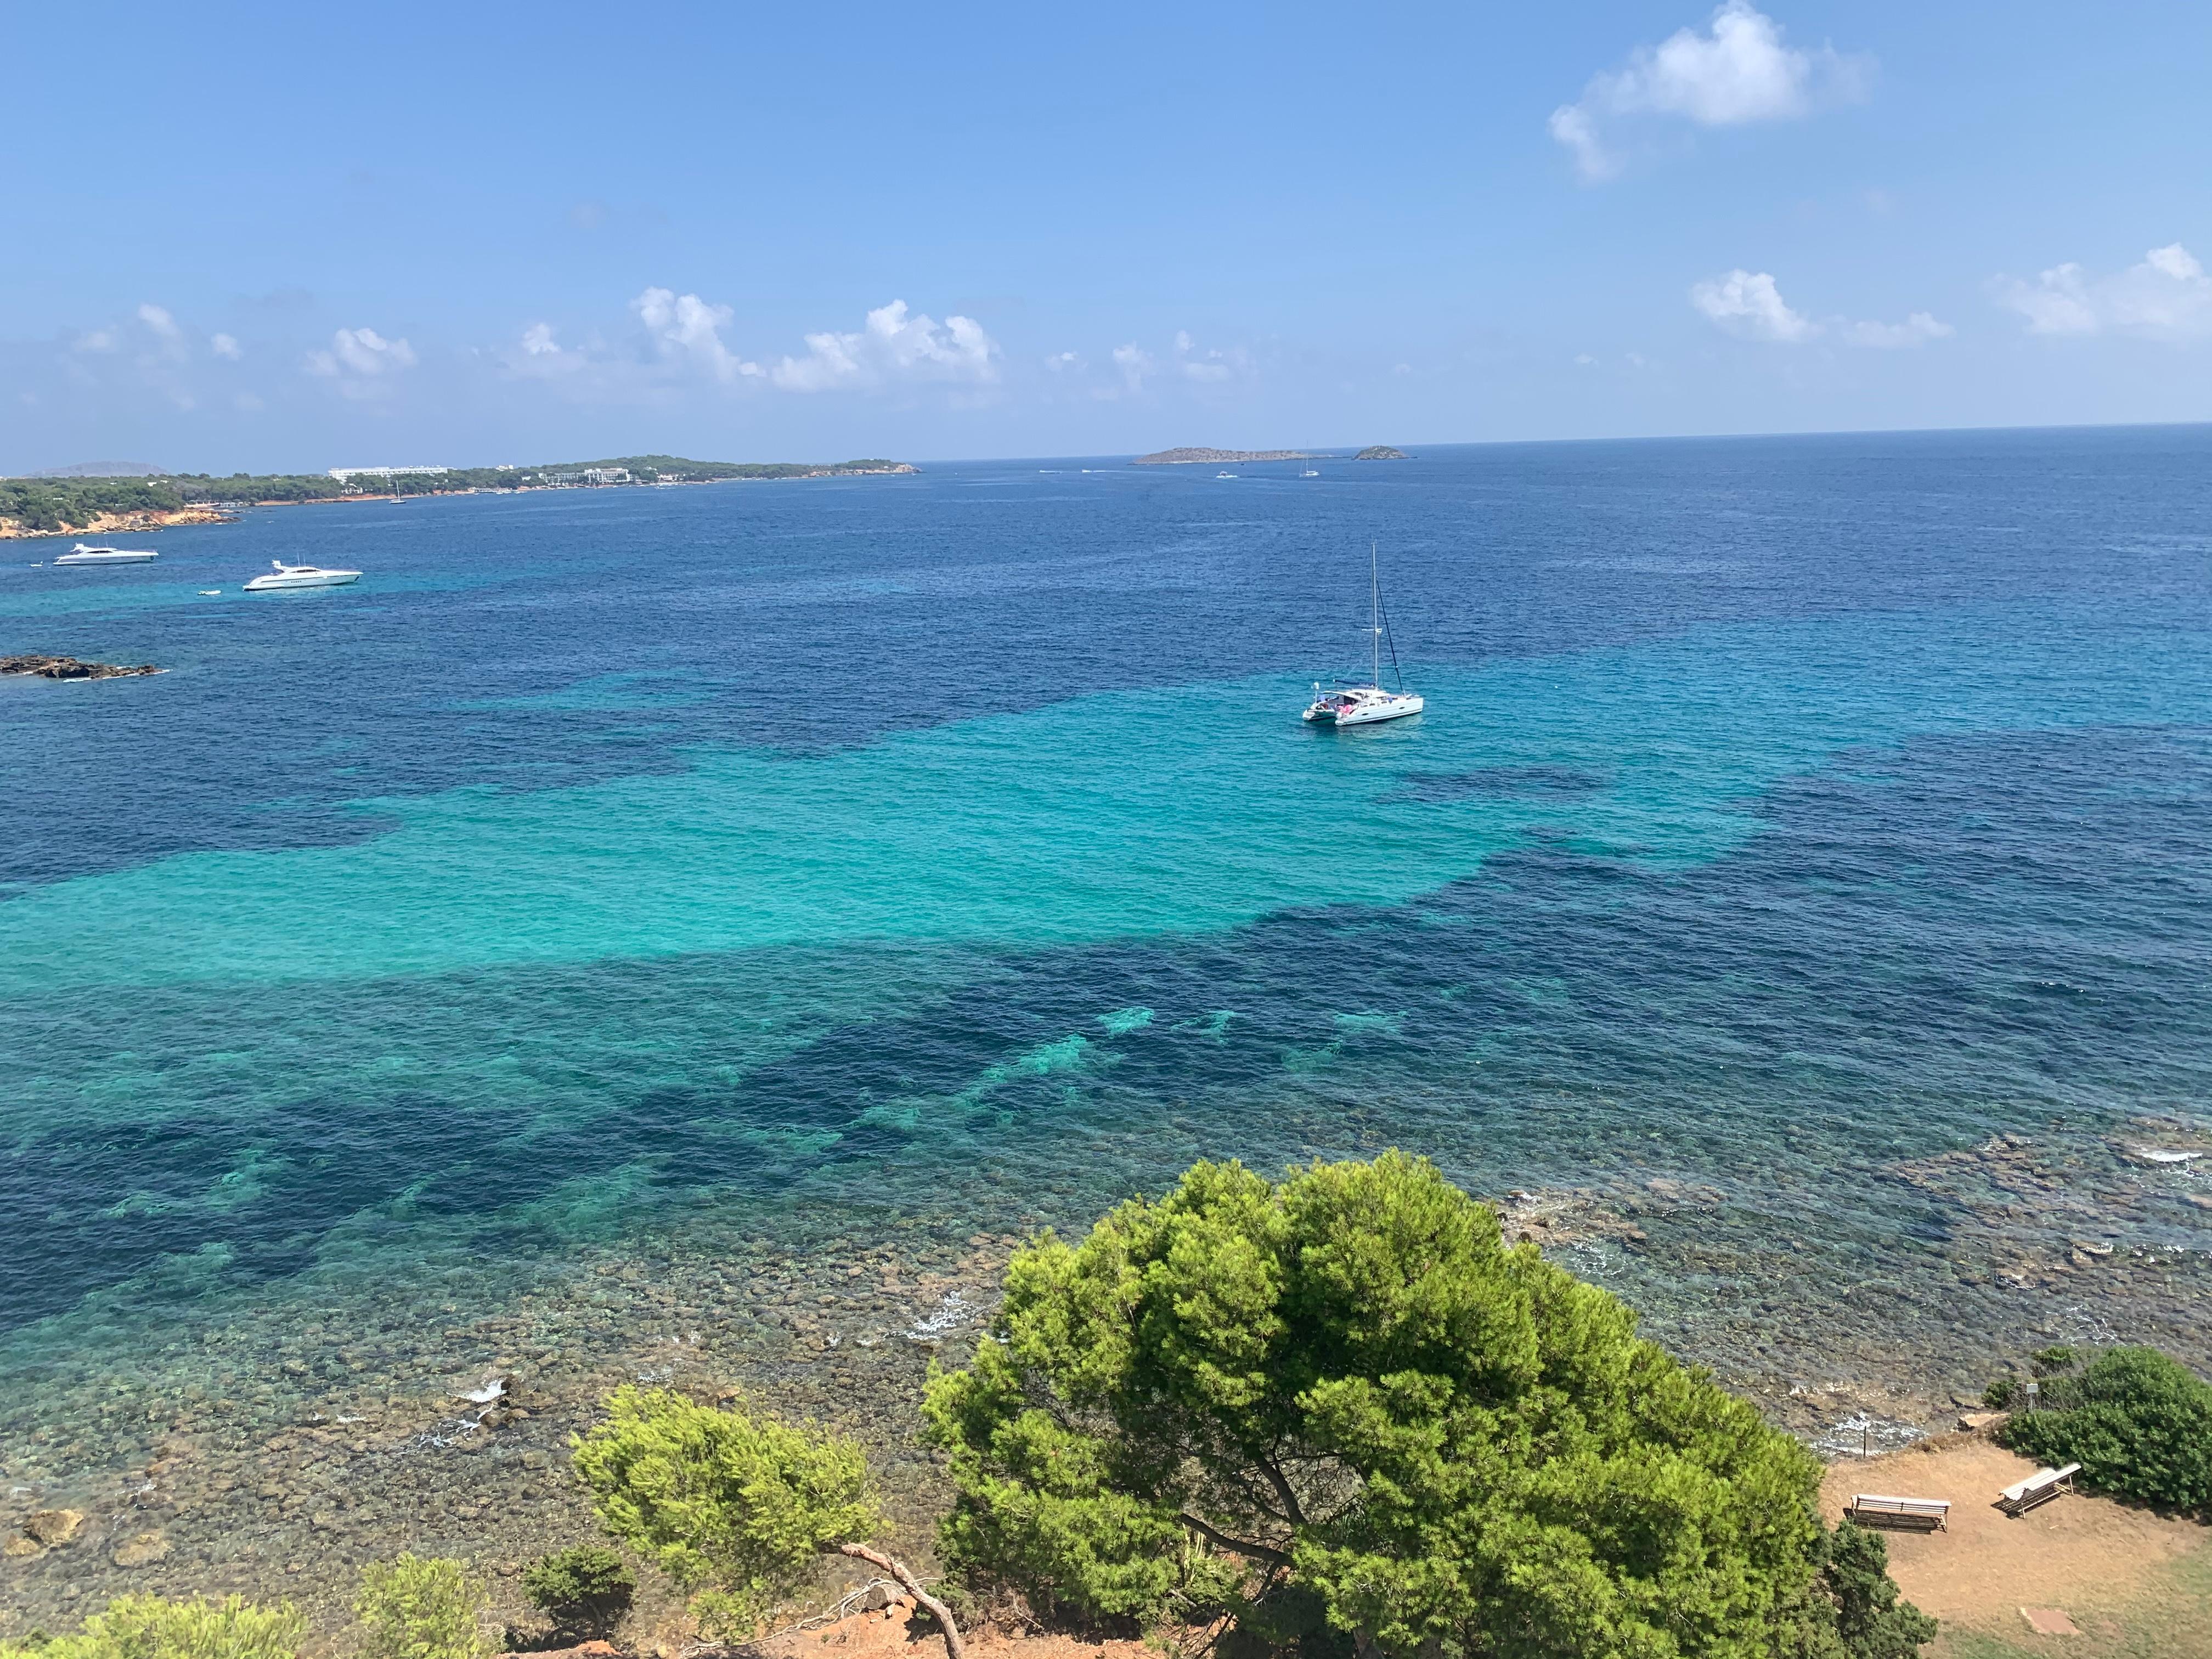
(618, 868)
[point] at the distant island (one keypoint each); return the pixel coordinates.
(79, 502)
(1210, 457)
(1217, 457)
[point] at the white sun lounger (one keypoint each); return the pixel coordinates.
(1878, 1509)
(2022, 1496)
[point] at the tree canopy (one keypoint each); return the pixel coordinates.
(1343, 1399)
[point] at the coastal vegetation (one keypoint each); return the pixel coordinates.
(2138, 1421)
(1380, 452)
(154, 1627)
(733, 1505)
(585, 1590)
(61, 505)
(1340, 1411)
(420, 1608)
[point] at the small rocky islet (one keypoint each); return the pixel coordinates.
(72, 668)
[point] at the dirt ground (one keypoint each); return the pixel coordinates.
(2132, 1582)
(885, 1635)
(2136, 1585)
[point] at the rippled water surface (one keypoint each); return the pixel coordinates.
(630, 873)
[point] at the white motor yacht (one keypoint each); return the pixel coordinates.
(1362, 705)
(82, 555)
(300, 575)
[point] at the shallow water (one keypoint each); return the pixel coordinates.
(772, 874)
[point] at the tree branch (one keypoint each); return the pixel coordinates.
(1256, 1552)
(1282, 1485)
(937, 1609)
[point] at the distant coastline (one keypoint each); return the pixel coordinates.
(78, 506)
(1195, 457)
(1209, 457)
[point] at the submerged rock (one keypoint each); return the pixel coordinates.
(53, 1528)
(145, 1550)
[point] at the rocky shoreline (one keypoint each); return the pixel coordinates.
(276, 1442)
(110, 524)
(73, 668)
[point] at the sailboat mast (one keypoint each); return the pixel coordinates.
(1374, 605)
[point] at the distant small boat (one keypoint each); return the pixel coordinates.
(300, 575)
(82, 555)
(1310, 472)
(1224, 475)
(209, 593)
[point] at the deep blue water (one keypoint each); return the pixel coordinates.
(1785, 811)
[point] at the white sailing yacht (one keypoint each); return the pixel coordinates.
(1362, 705)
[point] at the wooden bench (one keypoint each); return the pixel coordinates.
(2044, 1485)
(1872, 1509)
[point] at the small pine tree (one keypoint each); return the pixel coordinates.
(585, 1589)
(733, 1505)
(421, 1608)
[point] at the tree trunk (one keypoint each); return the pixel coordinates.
(937, 1609)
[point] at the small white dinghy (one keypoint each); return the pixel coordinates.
(300, 575)
(82, 555)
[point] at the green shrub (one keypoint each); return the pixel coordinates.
(733, 1505)
(1345, 1392)
(2137, 1421)
(420, 1608)
(150, 1627)
(585, 1589)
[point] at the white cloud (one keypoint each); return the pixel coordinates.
(158, 319)
(2166, 296)
(1209, 368)
(1746, 304)
(1916, 330)
(684, 327)
(1064, 362)
(1135, 366)
(225, 346)
(98, 339)
(1749, 305)
(1738, 73)
(893, 346)
(360, 361)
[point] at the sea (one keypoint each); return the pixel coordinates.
(696, 932)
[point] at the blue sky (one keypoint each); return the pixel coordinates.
(303, 237)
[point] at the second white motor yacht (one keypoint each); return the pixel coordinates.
(300, 575)
(82, 555)
(1362, 705)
